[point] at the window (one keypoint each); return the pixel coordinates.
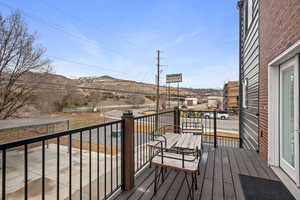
(245, 19)
(249, 12)
(245, 93)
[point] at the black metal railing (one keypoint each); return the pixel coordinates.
(197, 121)
(90, 162)
(144, 127)
(222, 141)
(80, 163)
(207, 123)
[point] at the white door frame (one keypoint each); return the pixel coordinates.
(274, 108)
(287, 167)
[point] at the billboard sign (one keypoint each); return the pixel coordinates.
(174, 78)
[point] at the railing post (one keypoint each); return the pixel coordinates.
(215, 128)
(128, 151)
(176, 120)
(156, 121)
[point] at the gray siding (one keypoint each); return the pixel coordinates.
(249, 69)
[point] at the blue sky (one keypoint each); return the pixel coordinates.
(119, 38)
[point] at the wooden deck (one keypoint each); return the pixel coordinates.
(218, 179)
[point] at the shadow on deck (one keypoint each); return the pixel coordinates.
(218, 179)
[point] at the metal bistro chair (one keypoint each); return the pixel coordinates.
(185, 161)
(190, 125)
(166, 136)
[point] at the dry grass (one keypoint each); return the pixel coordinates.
(228, 134)
(148, 112)
(143, 128)
(12, 135)
(77, 120)
(81, 119)
(86, 146)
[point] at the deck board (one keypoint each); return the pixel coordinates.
(161, 193)
(249, 164)
(235, 175)
(218, 178)
(201, 177)
(174, 189)
(209, 174)
(229, 192)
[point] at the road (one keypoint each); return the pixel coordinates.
(230, 124)
(227, 125)
(140, 137)
(117, 114)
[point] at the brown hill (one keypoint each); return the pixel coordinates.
(114, 84)
(56, 92)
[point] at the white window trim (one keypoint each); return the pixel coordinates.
(245, 93)
(249, 12)
(273, 103)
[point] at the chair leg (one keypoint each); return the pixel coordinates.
(162, 174)
(155, 180)
(190, 187)
(151, 156)
(196, 182)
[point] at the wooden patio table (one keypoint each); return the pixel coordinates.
(189, 142)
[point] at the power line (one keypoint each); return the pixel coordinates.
(73, 34)
(58, 27)
(64, 29)
(89, 88)
(86, 64)
(76, 18)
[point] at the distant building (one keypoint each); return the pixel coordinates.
(231, 96)
(190, 101)
(214, 102)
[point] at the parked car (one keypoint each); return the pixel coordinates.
(183, 107)
(209, 114)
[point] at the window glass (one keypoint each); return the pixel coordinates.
(245, 93)
(245, 16)
(250, 12)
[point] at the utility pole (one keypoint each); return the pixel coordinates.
(157, 89)
(157, 81)
(169, 94)
(178, 95)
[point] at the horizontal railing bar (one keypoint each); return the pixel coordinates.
(151, 115)
(48, 136)
(229, 137)
(219, 136)
(202, 110)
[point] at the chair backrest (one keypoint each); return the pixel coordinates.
(170, 128)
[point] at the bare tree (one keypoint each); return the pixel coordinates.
(21, 62)
(135, 100)
(95, 98)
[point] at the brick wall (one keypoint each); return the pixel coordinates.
(279, 29)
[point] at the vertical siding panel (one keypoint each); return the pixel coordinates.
(249, 69)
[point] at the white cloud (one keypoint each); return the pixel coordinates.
(211, 76)
(185, 36)
(89, 45)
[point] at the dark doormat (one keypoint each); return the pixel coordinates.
(259, 188)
